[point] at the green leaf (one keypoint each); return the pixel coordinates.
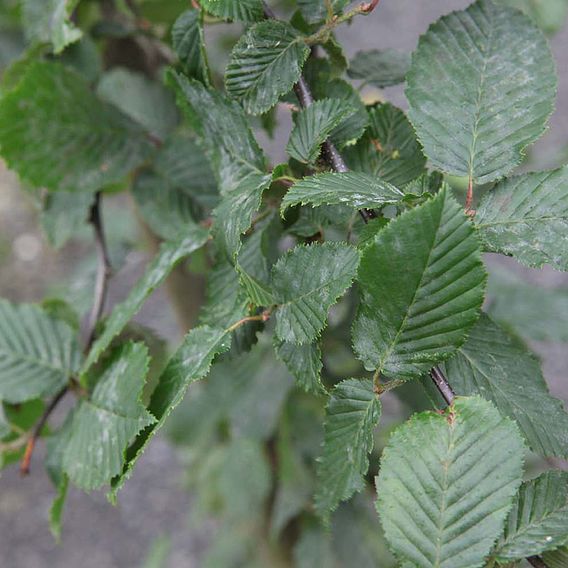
(352, 413)
(527, 217)
(256, 406)
(55, 133)
(265, 63)
(499, 368)
(189, 44)
(304, 362)
(380, 67)
(355, 189)
(307, 281)
(104, 425)
(38, 355)
(294, 490)
(147, 102)
(170, 254)
(531, 311)
(224, 299)
(224, 132)
(49, 21)
(313, 125)
(55, 446)
(538, 520)
(557, 558)
(399, 158)
(184, 166)
(389, 149)
(481, 88)
(549, 15)
(233, 216)
(257, 291)
(241, 10)
(351, 129)
(446, 484)
(405, 326)
(168, 211)
(64, 213)
(336, 56)
(313, 548)
(56, 509)
(190, 362)
(315, 11)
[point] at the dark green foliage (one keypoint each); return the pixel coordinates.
(305, 290)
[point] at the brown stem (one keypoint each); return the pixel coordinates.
(263, 317)
(103, 272)
(536, 561)
(25, 465)
(101, 285)
(442, 385)
(369, 6)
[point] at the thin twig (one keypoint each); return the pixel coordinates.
(36, 433)
(442, 385)
(101, 285)
(537, 562)
(263, 317)
(103, 272)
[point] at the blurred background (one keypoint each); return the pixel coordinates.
(153, 519)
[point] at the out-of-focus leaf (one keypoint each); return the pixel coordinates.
(48, 21)
(147, 102)
(499, 368)
(64, 213)
(380, 67)
(57, 134)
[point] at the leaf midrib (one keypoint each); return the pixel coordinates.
(480, 94)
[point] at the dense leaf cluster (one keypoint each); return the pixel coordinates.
(351, 270)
